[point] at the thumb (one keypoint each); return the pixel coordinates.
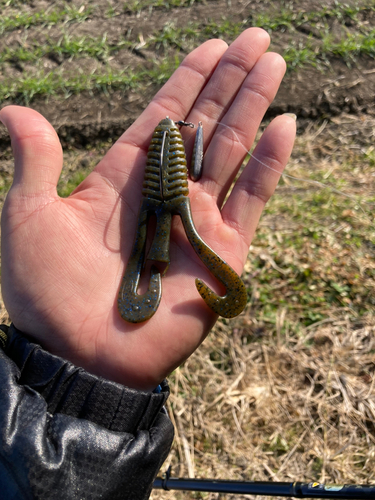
(36, 148)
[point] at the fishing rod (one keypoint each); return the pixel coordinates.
(266, 488)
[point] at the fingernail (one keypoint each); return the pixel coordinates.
(292, 115)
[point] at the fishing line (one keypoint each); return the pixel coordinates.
(294, 178)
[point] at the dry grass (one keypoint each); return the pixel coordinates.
(286, 390)
(277, 410)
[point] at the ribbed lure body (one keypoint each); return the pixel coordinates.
(164, 194)
(166, 171)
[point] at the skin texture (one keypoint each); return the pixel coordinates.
(63, 259)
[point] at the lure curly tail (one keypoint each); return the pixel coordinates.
(234, 301)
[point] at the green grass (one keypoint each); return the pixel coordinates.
(28, 87)
(5, 184)
(66, 46)
(300, 55)
(24, 20)
(15, 3)
(290, 18)
(320, 258)
(169, 40)
(320, 239)
(351, 46)
(139, 5)
(67, 185)
(278, 18)
(274, 20)
(319, 242)
(348, 48)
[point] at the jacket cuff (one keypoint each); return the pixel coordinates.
(73, 391)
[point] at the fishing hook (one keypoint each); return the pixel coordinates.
(164, 194)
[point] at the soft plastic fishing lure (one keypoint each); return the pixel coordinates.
(165, 193)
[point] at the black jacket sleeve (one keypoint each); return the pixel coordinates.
(67, 434)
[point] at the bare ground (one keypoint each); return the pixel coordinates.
(312, 93)
(263, 398)
(266, 398)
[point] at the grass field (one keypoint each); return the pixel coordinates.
(286, 390)
(58, 35)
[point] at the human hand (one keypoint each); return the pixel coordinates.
(63, 259)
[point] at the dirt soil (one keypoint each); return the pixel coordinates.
(256, 401)
(263, 398)
(311, 93)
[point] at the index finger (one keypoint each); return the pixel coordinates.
(175, 99)
(199, 71)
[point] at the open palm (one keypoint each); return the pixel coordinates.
(63, 259)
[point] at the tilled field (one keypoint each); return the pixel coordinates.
(286, 390)
(92, 67)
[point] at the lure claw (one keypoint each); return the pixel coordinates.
(133, 307)
(137, 308)
(229, 306)
(165, 193)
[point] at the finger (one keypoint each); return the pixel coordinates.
(178, 97)
(36, 148)
(233, 69)
(238, 127)
(259, 178)
(175, 100)
(179, 94)
(217, 98)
